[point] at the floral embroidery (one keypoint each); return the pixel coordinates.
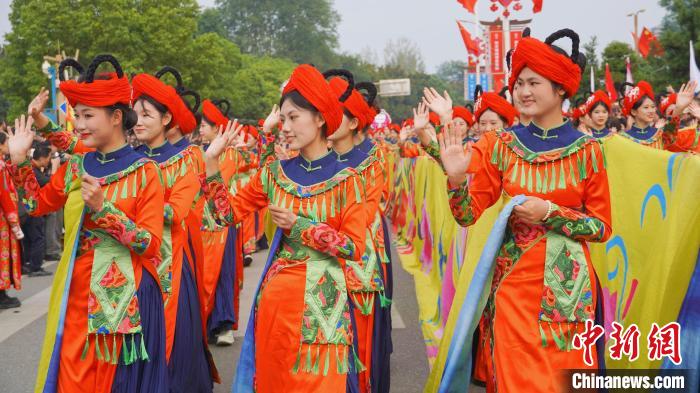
(168, 214)
(575, 225)
(88, 241)
(217, 200)
(461, 205)
(118, 225)
(322, 237)
(27, 185)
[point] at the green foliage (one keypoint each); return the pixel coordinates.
(301, 30)
(258, 85)
(680, 25)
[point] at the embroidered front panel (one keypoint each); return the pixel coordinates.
(118, 225)
(322, 237)
(654, 141)
(461, 204)
(575, 225)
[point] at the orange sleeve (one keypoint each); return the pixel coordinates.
(593, 224)
(374, 186)
(181, 198)
(470, 199)
(64, 140)
(232, 209)
(687, 139)
(39, 201)
(347, 241)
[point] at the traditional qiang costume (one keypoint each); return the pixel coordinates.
(599, 97)
(365, 280)
(223, 262)
(188, 358)
(299, 335)
(464, 114)
(105, 328)
(10, 261)
(669, 138)
(249, 165)
(544, 286)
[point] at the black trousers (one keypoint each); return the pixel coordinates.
(34, 242)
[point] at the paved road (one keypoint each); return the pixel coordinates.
(21, 333)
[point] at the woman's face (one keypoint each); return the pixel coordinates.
(535, 94)
(345, 129)
(461, 126)
(599, 117)
(300, 127)
(489, 121)
(646, 113)
(151, 124)
(207, 131)
(96, 126)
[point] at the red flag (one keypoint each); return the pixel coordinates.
(472, 45)
(609, 84)
(646, 41)
(536, 6)
(469, 4)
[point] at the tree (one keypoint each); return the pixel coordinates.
(258, 85)
(301, 30)
(680, 25)
(590, 49)
(403, 55)
(211, 21)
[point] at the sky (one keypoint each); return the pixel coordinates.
(370, 24)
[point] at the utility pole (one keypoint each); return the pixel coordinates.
(635, 15)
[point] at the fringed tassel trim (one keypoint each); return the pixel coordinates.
(547, 176)
(130, 352)
(560, 333)
(316, 359)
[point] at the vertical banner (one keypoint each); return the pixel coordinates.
(496, 46)
(515, 37)
(484, 82)
(470, 85)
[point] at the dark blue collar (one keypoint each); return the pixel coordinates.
(182, 144)
(642, 134)
(540, 140)
(100, 165)
(353, 158)
(600, 133)
(158, 154)
(306, 173)
(366, 145)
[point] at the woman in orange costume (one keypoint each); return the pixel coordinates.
(10, 234)
(157, 104)
(299, 335)
(223, 264)
(114, 219)
(533, 311)
(639, 104)
(365, 280)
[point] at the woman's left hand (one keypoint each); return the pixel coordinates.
(283, 218)
(532, 210)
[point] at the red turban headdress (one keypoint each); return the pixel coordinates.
(464, 114)
(595, 98)
(666, 102)
(434, 119)
(311, 84)
(149, 85)
(543, 59)
(96, 92)
(355, 103)
(182, 114)
(636, 94)
(213, 114)
(497, 104)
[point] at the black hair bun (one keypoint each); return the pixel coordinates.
(69, 62)
(348, 76)
(221, 103)
(577, 57)
(129, 119)
(370, 91)
(99, 59)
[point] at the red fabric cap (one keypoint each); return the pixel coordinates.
(463, 113)
(497, 104)
(579, 112)
(99, 93)
(252, 131)
(643, 89)
(667, 101)
(213, 114)
(146, 84)
(356, 104)
(407, 123)
(542, 59)
(595, 98)
(311, 84)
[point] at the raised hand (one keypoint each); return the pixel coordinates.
(20, 140)
(224, 137)
(694, 109)
(92, 193)
(421, 116)
(37, 106)
(442, 105)
(455, 157)
(272, 119)
(684, 97)
(283, 218)
(405, 133)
